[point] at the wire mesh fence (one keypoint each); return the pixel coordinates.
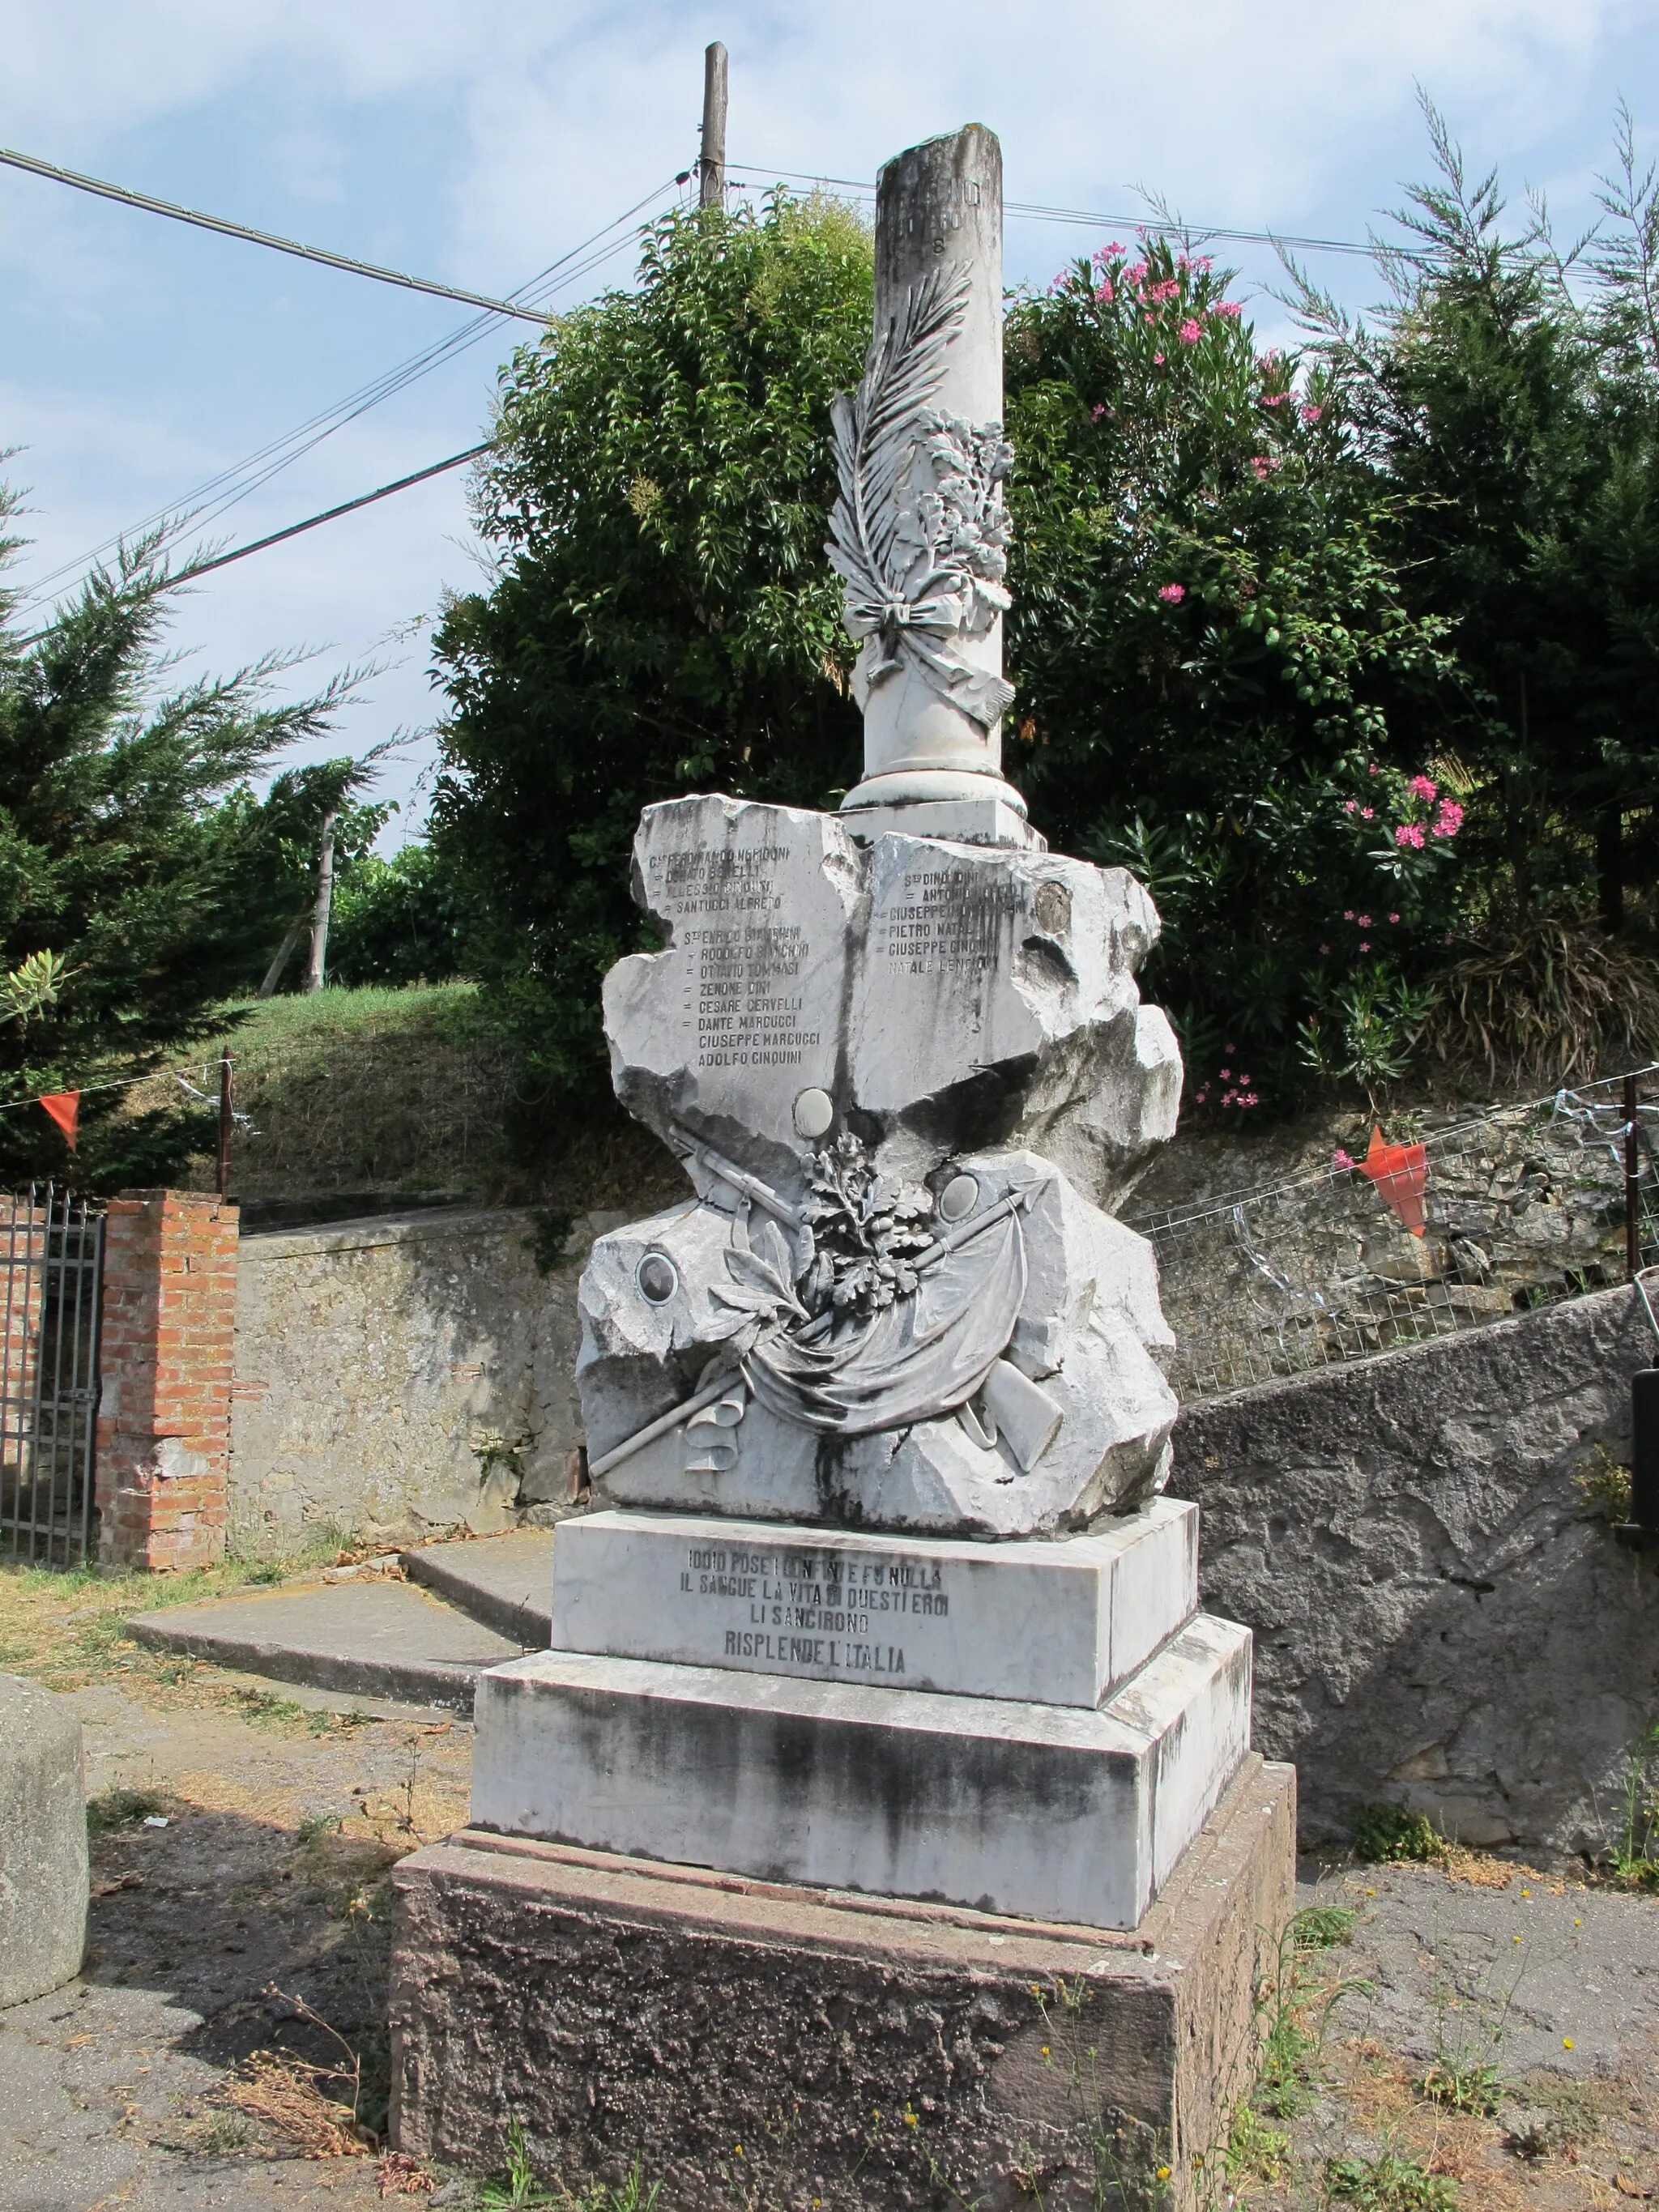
(1462, 1224)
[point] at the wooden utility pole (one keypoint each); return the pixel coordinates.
(711, 169)
(320, 912)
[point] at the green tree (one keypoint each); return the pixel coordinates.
(1512, 394)
(665, 619)
(1218, 672)
(402, 920)
(134, 861)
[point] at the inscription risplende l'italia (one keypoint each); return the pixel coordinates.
(812, 1609)
(743, 962)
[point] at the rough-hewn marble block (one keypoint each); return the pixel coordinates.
(1044, 1810)
(625, 2011)
(1058, 1623)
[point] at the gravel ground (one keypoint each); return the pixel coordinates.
(1531, 1999)
(254, 1921)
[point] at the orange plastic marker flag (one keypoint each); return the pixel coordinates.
(64, 1107)
(1400, 1173)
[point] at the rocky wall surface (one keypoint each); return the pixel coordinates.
(1442, 1620)
(402, 1373)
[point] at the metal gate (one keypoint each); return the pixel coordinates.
(52, 1246)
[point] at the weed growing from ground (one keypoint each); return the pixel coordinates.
(1386, 1833)
(1634, 1857)
(1464, 2075)
(1324, 1927)
(1388, 2183)
(519, 2190)
(114, 1809)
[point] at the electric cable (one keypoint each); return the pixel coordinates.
(33, 168)
(192, 569)
(1030, 211)
(219, 493)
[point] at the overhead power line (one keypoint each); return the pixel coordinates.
(192, 569)
(214, 498)
(1030, 211)
(125, 199)
(330, 514)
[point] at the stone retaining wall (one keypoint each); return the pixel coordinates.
(1441, 1618)
(402, 1373)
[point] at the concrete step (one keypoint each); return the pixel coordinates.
(372, 1639)
(505, 1582)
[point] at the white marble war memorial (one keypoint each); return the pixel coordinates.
(880, 1592)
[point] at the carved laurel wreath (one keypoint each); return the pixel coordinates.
(919, 530)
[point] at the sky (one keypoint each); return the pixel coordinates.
(479, 144)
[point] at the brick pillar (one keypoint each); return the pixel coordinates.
(169, 1316)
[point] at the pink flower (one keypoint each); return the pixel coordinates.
(1264, 464)
(1190, 332)
(1274, 398)
(1420, 787)
(1324, 948)
(1367, 814)
(1226, 1075)
(1409, 834)
(1168, 289)
(1158, 361)
(1347, 913)
(1450, 819)
(1095, 413)
(1249, 1099)
(1243, 1079)
(1363, 920)
(1364, 945)
(1372, 769)
(1135, 272)
(1104, 293)
(1393, 917)
(1340, 1159)
(1231, 308)
(1172, 594)
(1311, 414)
(1350, 806)
(1232, 1047)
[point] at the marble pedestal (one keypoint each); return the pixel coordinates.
(1033, 1728)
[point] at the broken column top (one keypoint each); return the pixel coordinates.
(942, 203)
(919, 531)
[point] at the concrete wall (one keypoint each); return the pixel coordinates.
(1441, 1620)
(402, 1373)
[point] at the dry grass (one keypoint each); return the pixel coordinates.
(1546, 1002)
(65, 1628)
(287, 2096)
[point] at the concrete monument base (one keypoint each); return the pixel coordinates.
(818, 2051)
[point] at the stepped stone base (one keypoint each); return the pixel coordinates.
(864, 2052)
(1046, 1810)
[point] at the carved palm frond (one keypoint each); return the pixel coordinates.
(875, 431)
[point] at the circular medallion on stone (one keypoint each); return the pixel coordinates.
(958, 1198)
(658, 1279)
(1053, 909)
(814, 1111)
